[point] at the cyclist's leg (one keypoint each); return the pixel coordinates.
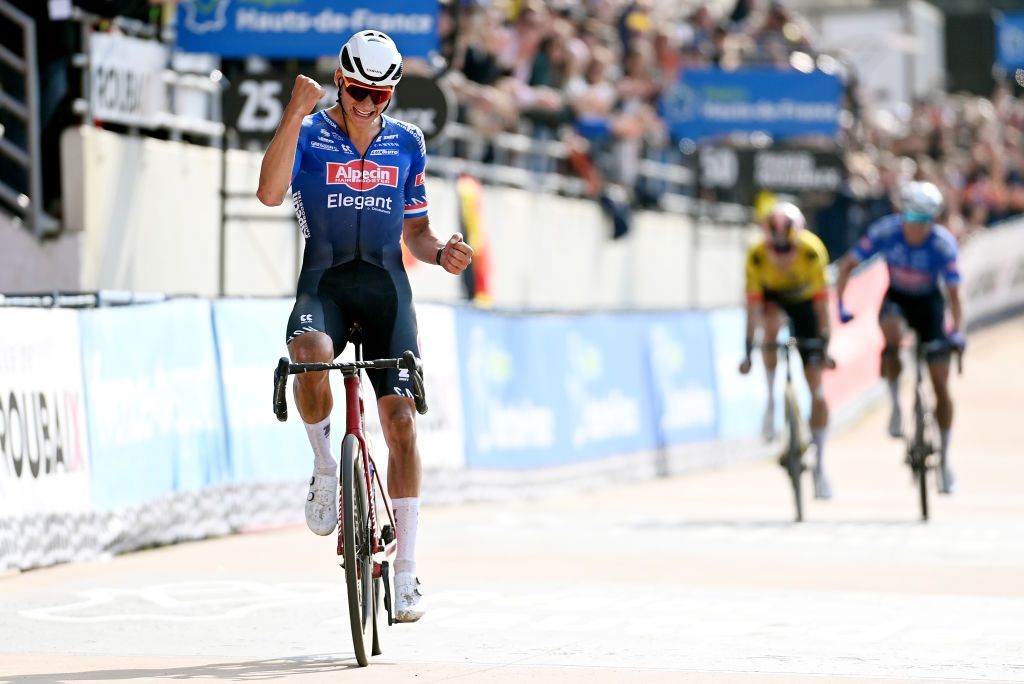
(891, 319)
(930, 328)
(804, 325)
(314, 336)
(389, 329)
(771, 322)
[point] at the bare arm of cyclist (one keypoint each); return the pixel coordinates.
(279, 159)
(754, 306)
(846, 266)
(423, 243)
(955, 307)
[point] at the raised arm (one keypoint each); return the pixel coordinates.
(279, 159)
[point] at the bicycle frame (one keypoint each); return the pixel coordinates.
(355, 423)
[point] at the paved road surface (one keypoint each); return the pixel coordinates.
(699, 579)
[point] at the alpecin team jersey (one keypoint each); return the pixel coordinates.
(913, 270)
(351, 207)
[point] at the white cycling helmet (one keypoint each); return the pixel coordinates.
(371, 57)
(921, 201)
(784, 221)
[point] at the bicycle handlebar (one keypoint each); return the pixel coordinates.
(286, 368)
(942, 345)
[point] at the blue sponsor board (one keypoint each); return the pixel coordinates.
(544, 391)
(302, 28)
(742, 398)
(250, 339)
(682, 377)
(515, 413)
(707, 103)
(1009, 40)
(608, 395)
(152, 389)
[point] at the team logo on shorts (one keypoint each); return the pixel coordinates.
(361, 175)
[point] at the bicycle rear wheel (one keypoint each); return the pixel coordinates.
(919, 450)
(794, 452)
(355, 512)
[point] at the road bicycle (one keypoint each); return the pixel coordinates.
(923, 442)
(366, 547)
(797, 439)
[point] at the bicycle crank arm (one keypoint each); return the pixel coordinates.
(387, 590)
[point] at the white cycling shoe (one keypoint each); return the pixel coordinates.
(947, 485)
(822, 489)
(409, 603)
(896, 423)
(768, 424)
(322, 503)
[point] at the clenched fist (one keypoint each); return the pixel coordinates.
(305, 94)
(456, 255)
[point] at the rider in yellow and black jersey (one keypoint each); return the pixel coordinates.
(786, 274)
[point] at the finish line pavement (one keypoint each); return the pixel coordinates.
(701, 578)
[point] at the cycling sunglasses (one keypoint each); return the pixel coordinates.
(359, 92)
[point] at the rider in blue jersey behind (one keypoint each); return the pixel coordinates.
(918, 253)
(357, 180)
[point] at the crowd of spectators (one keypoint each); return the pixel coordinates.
(590, 73)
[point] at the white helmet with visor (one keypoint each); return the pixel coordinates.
(372, 58)
(921, 201)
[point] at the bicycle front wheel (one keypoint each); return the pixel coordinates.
(358, 545)
(795, 452)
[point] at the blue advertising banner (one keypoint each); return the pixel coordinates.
(605, 375)
(250, 340)
(546, 391)
(302, 28)
(742, 398)
(682, 372)
(1010, 40)
(709, 102)
(152, 389)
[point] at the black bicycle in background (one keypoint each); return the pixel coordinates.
(923, 442)
(796, 433)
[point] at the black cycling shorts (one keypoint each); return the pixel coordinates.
(803, 323)
(380, 301)
(924, 314)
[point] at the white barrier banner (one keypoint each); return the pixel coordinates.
(43, 440)
(126, 76)
(992, 263)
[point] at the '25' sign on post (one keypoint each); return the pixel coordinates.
(254, 103)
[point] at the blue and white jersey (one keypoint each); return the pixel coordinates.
(351, 207)
(916, 269)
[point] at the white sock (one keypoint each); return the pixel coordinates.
(771, 386)
(320, 439)
(407, 518)
(894, 392)
(818, 437)
(945, 446)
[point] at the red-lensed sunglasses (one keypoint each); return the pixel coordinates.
(359, 92)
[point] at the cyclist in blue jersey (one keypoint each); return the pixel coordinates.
(357, 181)
(919, 253)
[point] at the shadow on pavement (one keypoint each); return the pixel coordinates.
(771, 524)
(256, 670)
